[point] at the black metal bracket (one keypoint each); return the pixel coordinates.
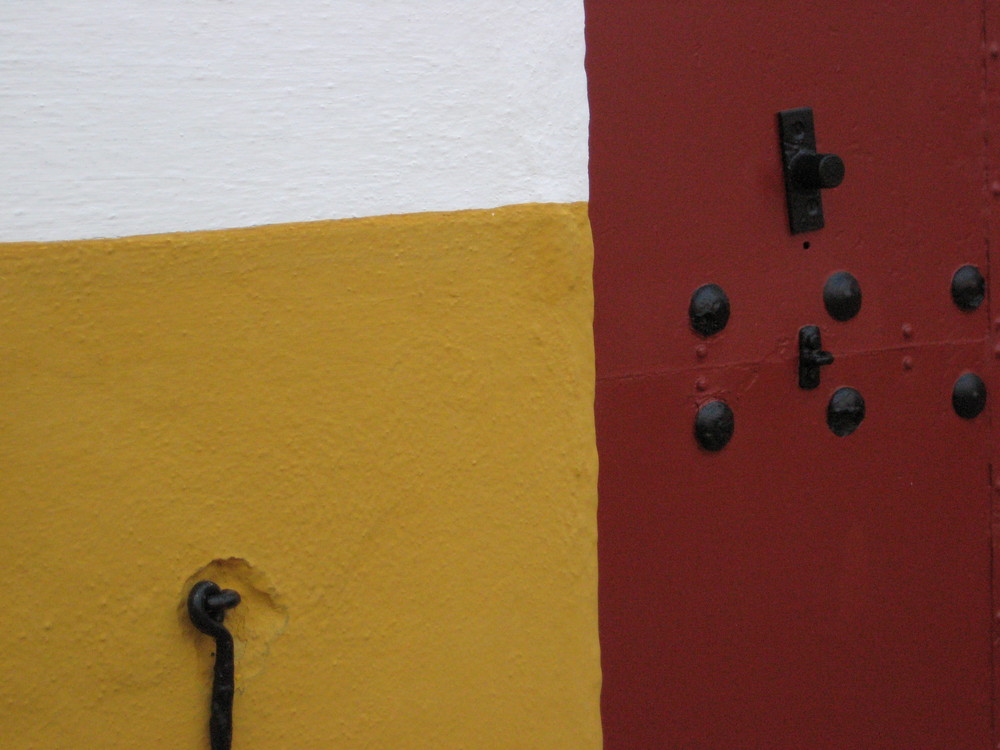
(811, 357)
(207, 605)
(806, 171)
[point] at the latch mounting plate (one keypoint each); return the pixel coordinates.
(806, 171)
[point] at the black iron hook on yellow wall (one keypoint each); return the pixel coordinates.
(207, 605)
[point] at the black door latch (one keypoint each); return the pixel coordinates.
(806, 171)
(207, 605)
(811, 357)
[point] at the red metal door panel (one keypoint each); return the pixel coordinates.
(991, 195)
(796, 589)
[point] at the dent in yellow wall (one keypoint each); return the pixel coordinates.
(380, 429)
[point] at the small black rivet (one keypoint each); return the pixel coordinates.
(969, 396)
(842, 296)
(845, 411)
(968, 288)
(713, 427)
(709, 309)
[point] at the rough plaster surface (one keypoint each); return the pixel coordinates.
(380, 431)
(172, 115)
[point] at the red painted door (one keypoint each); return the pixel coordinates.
(795, 589)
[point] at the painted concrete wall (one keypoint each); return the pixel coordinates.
(378, 430)
(171, 115)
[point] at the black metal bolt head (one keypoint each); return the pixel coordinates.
(969, 396)
(713, 427)
(709, 309)
(968, 288)
(842, 296)
(845, 411)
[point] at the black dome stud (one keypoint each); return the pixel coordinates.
(713, 426)
(845, 411)
(842, 296)
(709, 309)
(968, 288)
(968, 397)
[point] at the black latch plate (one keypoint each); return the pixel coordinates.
(805, 205)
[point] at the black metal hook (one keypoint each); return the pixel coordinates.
(811, 357)
(207, 605)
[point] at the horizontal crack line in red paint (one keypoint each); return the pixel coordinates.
(792, 359)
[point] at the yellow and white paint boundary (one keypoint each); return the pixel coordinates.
(379, 430)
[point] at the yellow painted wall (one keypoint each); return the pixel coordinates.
(380, 431)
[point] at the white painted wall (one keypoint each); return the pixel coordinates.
(134, 116)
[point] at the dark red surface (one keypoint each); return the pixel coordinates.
(796, 590)
(991, 197)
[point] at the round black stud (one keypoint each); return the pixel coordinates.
(713, 427)
(709, 309)
(968, 288)
(842, 296)
(845, 411)
(969, 396)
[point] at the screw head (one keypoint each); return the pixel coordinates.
(968, 397)
(842, 296)
(713, 426)
(968, 288)
(845, 411)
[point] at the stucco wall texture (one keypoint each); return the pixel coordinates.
(177, 115)
(379, 431)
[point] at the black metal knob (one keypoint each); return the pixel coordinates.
(811, 170)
